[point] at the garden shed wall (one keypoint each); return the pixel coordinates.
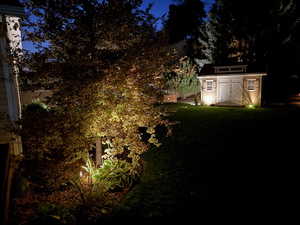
(231, 89)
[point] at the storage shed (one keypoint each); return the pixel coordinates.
(230, 85)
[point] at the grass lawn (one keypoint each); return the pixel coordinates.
(219, 161)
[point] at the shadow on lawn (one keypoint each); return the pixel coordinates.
(219, 162)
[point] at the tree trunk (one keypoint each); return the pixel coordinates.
(99, 152)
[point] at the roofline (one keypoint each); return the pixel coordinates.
(12, 10)
(233, 74)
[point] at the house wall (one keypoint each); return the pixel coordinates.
(10, 107)
(9, 91)
(12, 40)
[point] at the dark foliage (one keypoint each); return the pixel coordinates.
(186, 22)
(262, 33)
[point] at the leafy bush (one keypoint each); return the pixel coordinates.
(113, 175)
(117, 174)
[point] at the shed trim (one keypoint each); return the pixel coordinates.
(233, 74)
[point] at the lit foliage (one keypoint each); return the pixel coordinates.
(104, 64)
(114, 174)
(183, 80)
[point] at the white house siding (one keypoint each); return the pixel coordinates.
(9, 90)
(10, 107)
(10, 70)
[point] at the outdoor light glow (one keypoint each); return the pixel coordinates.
(208, 100)
(251, 106)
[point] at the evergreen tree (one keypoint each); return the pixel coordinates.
(248, 31)
(184, 80)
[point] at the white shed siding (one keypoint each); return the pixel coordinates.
(232, 89)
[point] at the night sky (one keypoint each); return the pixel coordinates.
(160, 8)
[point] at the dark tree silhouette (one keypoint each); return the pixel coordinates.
(186, 22)
(260, 33)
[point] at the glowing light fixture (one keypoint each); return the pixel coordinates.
(250, 106)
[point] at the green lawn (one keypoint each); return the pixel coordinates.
(219, 161)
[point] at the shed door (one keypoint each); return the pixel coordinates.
(236, 92)
(224, 92)
(230, 91)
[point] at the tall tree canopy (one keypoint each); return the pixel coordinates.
(264, 33)
(185, 19)
(186, 22)
(104, 63)
(251, 30)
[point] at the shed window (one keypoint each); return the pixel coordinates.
(209, 85)
(251, 84)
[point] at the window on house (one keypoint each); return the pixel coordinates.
(251, 84)
(209, 85)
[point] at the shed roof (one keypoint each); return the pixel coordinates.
(233, 69)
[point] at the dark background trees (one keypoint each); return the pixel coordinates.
(186, 22)
(264, 34)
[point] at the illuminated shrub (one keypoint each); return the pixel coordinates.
(114, 175)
